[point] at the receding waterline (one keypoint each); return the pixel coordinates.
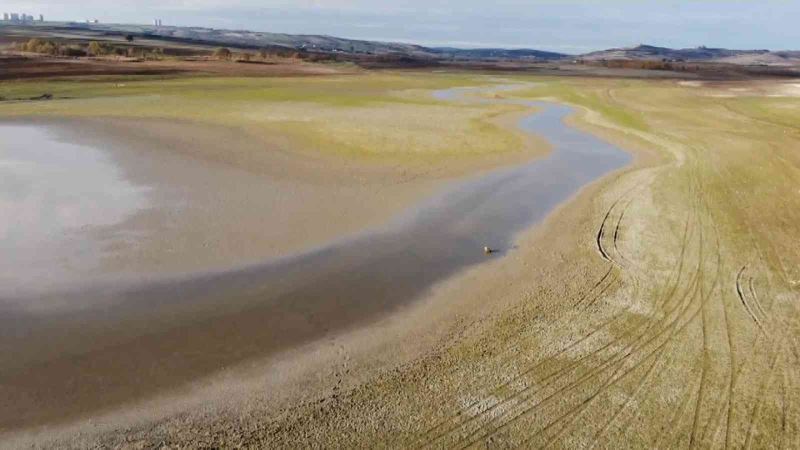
(200, 324)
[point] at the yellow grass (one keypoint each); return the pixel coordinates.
(374, 115)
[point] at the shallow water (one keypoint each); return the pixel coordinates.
(159, 335)
(51, 193)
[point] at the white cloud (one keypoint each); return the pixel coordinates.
(563, 24)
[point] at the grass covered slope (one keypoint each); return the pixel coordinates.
(658, 310)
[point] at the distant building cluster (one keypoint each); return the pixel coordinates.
(157, 22)
(21, 18)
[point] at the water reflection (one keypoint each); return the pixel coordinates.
(51, 194)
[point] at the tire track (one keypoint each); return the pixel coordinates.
(751, 301)
(760, 396)
(670, 428)
(740, 293)
(630, 349)
(734, 373)
(625, 260)
(606, 255)
(586, 403)
(732, 376)
(511, 381)
(642, 381)
(784, 408)
(572, 414)
(754, 296)
(615, 279)
(601, 233)
(704, 296)
(609, 275)
(705, 321)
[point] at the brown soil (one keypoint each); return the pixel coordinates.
(31, 66)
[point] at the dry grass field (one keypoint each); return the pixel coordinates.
(657, 309)
(668, 319)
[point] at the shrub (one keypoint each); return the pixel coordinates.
(222, 53)
(40, 46)
(32, 45)
(97, 49)
(48, 48)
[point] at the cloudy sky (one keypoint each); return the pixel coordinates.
(570, 26)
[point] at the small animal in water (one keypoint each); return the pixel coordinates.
(488, 250)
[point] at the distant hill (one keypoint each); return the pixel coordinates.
(335, 44)
(243, 39)
(357, 49)
(785, 58)
(251, 39)
(650, 52)
(496, 53)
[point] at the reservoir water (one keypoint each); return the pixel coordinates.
(51, 193)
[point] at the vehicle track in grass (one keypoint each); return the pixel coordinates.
(609, 281)
(743, 300)
(761, 394)
(777, 329)
(569, 367)
(608, 362)
(640, 385)
(754, 296)
(670, 428)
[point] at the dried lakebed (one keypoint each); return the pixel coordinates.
(130, 341)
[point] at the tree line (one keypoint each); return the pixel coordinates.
(93, 48)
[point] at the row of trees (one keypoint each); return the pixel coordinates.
(94, 48)
(226, 54)
(42, 46)
(679, 66)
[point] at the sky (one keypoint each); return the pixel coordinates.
(567, 26)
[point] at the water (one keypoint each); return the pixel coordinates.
(159, 335)
(51, 194)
